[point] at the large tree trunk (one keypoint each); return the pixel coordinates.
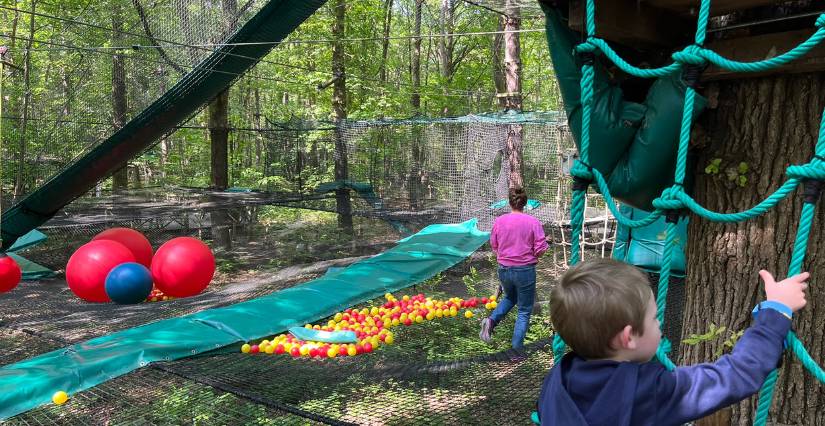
(339, 103)
(768, 123)
(120, 180)
(512, 64)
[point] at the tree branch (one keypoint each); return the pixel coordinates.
(148, 30)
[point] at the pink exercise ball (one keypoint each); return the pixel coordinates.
(183, 267)
(88, 267)
(133, 240)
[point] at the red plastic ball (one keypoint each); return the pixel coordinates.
(359, 349)
(279, 349)
(295, 351)
(254, 349)
(313, 352)
(322, 351)
(367, 347)
(88, 267)
(10, 273)
(183, 267)
(133, 240)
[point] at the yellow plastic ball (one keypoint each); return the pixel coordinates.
(309, 326)
(246, 348)
(374, 311)
(468, 314)
(388, 296)
(493, 304)
(429, 304)
(351, 351)
(407, 298)
(60, 397)
(430, 316)
(419, 319)
(338, 317)
(395, 322)
(388, 340)
(439, 313)
(270, 349)
(488, 306)
(493, 298)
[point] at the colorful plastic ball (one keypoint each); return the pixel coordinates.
(246, 348)
(279, 349)
(468, 314)
(10, 273)
(60, 397)
(254, 349)
(128, 283)
(88, 267)
(367, 347)
(133, 240)
(295, 351)
(183, 267)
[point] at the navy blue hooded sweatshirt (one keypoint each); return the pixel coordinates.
(601, 393)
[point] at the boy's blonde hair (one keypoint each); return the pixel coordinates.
(594, 300)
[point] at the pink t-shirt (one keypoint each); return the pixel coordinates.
(518, 239)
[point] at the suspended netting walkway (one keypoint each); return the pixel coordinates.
(690, 62)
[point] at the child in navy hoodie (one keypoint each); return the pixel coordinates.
(605, 310)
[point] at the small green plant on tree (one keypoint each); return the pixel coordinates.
(716, 334)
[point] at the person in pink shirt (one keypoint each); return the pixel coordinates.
(518, 240)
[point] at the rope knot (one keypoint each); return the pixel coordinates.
(669, 200)
(807, 171)
(690, 55)
(585, 46)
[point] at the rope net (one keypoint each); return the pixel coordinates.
(673, 199)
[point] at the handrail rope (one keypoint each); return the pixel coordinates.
(697, 55)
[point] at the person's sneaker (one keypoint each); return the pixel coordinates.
(486, 334)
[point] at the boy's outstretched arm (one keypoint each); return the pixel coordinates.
(690, 393)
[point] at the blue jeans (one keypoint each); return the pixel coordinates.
(519, 284)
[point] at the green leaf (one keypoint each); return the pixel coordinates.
(691, 341)
(743, 167)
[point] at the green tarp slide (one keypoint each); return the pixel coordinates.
(308, 335)
(29, 269)
(30, 383)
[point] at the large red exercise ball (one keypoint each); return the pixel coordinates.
(183, 267)
(90, 264)
(132, 240)
(128, 283)
(10, 273)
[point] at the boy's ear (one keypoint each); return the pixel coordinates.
(625, 338)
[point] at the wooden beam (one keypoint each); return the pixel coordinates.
(632, 23)
(757, 48)
(717, 7)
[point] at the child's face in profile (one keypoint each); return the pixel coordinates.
(648, 342)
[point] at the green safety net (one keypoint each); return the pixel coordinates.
(30, 383)
(274, 22)
(582, 90)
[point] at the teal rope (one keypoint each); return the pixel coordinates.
(765, 397)
(664, 272)
(558, 348)
(700, 56)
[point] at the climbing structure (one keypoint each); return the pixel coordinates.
(689, 62)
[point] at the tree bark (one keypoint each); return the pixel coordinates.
(339, 101)
(219, 142)
(446, 44)
(120, 180)
(512, 63)
(385, 43)
(499, 75)
(769, 124)
(416, 58)
(20, 182)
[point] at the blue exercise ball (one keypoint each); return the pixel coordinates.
(128, 283)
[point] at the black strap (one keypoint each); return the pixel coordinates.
(813, 188)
